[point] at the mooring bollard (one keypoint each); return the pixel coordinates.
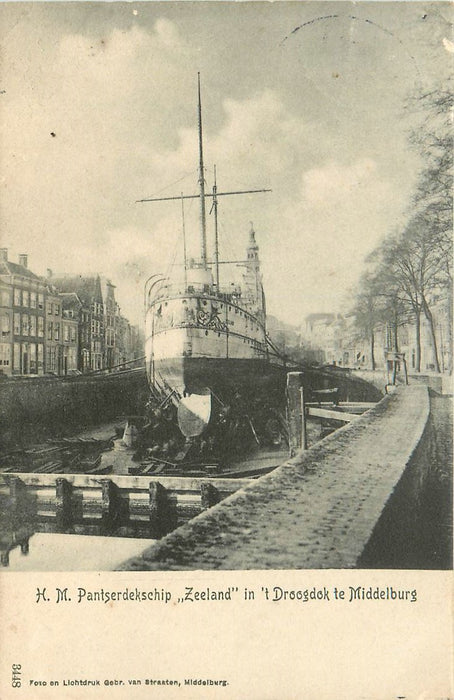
(17, 493)
(110, 505)
(63, 504)
(158, 507)
(296, 413)
(209, 495)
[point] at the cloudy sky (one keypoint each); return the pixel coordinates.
(98, 109)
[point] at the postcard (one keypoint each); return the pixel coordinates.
(226, 350)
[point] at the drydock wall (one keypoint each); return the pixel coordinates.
(337, 505)
(33, 409)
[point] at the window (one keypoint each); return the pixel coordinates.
(56, 309)
(96, 362)
(50, 330)
(85, 359)
(33, 366)
(72, 358)
(33, 300)
(40, 358)
(73, 334)
(40, 327)
(5, 298)
(49, 308)
(5, 324)
(66, 333)
(25, 324)
(16, 357)
(5, 355)
(32, 325)
(40, 301)
(56, 331)
(25, 358)
(25, 298)
(51, 359)
(17, 297)
(16, 324)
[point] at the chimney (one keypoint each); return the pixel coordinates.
(3, 254)
(23, 260)
(49, 272)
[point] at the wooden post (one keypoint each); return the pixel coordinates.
(209, 495)
(394, 371)
(110, 505)
(295, 413)
(303, 420)
(17, 491)
(63, 501)
(158, 509)
(404, 362)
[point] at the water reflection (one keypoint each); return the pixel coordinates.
(62, 552)
(32, 542)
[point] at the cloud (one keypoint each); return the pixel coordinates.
(120, 97)
(343, 212)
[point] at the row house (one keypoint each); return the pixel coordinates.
(62, 330)
(22, 317)
(106, 339)
(60, 324)
(84, 302)
(111, 316)
(36, 338)
(322, 338)
(335, 340)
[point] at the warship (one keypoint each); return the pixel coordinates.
(205, 342)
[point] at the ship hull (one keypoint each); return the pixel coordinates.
(223, 376)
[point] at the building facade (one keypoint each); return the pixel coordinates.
(334, 339)
(60, 325)
(22, 317)
(89, 314)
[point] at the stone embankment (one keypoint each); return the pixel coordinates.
(33, 409)
(354, 499)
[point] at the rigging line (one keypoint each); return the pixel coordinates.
(171, 184)
(197, 196)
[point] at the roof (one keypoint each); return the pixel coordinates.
(87, 288)
(10, 268)
(70, 300)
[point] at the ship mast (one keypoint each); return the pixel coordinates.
(216, 236)
(203, 231)
(201, 196)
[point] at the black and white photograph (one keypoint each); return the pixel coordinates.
(226, 333)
